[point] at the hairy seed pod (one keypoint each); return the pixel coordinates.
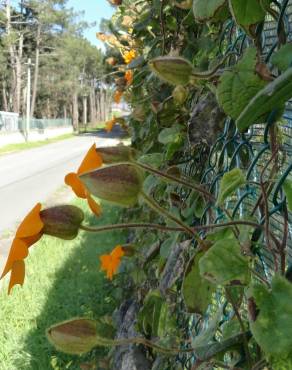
(62, 221)
(174, 70)
(75, 336)
(120, 184)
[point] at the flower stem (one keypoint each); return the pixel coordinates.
(130, 226)
(180, 181)
(163, 212)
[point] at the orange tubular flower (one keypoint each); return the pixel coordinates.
(129, 77)
(129, 56)
(28, 233)
(110, 124)
(91, 161)
(111, 262)
(118, 96)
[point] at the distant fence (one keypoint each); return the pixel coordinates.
(11, 122)
(42, 124)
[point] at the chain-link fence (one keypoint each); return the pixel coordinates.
(264, 152)
(11, 122)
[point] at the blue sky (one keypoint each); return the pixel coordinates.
(94, 10)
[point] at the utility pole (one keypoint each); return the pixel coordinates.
(28, 96)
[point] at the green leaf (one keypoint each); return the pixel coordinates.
(205, 10)
(282, 59)
(154, 159)
(272, 327)
(197, 291)
(287, 187)
(248, 12)
(238, 86)
(223, 264)
(222, 233)
(230, 182)
(271, 98)
(155, 318)
(167, 245)
(169, 135)
(207, 335)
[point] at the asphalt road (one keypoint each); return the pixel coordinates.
(31, 176)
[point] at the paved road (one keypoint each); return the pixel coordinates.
(31, 176)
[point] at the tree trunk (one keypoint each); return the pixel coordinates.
(92, 102)
(98, 115)
(84, 110)
(36, 70)
(17, 102)
(5, 103)
(102, 104)
(75, 113)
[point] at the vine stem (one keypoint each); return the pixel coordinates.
(244, 338)
(163, 212)
(174, 179)
(168, 228)
(130, 226)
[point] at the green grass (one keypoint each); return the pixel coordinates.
(63, 280)
(91, 127)
(35, 144)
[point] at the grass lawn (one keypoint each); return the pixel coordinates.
(34, 144)
(91, 127)
(62, 281)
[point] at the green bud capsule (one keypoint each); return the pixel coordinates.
(75, 336)
(139, 113)
(120, 184)
(179, 94)
(175, 70)
(62, 221)
(116, 154)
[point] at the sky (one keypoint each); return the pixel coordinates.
(94, 10)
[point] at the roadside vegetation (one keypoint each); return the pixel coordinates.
(63, 279)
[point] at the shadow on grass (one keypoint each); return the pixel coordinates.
(78, 289)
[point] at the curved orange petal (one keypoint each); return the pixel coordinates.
(73, 180)
(110, 273)
(115, 265)
(18, 251)
(117, 252)
(109, 125)
(93, 205)
(32, 239)
(32, 223)
(17, 274)
(91, 161)
(105, 260)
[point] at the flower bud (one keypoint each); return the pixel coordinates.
(139, 114)
(75, 336)
(62, 221)
(180, 94)
(116, 154)
(184, 4)
(120, 184)
(129, 250)
(174, 70)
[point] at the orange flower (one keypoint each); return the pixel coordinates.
(110, 262)
(129, 77)
(91, 161)
(110, 124)
(129, 56)
(28, 233)
(118, 96)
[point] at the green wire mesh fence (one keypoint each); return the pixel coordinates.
(262, 159)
